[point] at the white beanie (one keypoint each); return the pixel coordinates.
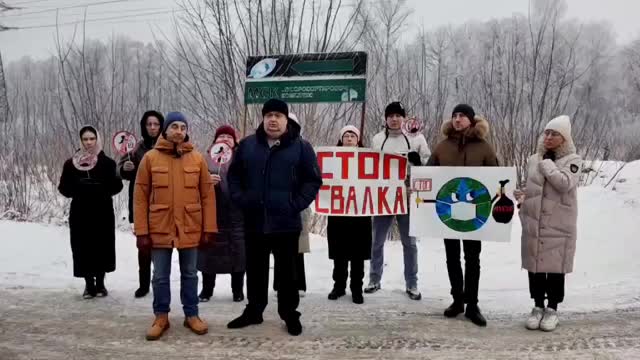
(562, 125)
(293, 117)
(350, 128)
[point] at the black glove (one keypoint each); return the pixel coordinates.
(414, 158)
(551, 155)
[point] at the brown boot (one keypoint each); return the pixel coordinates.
(160, 325)
(196, 325)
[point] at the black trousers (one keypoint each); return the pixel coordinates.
(284, 247)
(464, 289)
(341, 272)
(546, 285)
(144, 268)
(209, 282)
(301, 280)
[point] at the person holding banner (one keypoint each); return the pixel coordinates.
(549, 215)
(150, 126)
(392, 140)
(273, 176)
(349, 239)
(465, 144)
(227, 254)
(175, 207)
(89, 179)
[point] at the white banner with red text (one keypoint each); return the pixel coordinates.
(360, 182)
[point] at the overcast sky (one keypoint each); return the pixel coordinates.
(139, 18)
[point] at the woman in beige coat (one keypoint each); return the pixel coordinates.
(548, 212)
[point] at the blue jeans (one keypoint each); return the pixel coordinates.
(188, 280)
(381, 226)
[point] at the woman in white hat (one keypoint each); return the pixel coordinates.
(549, 212)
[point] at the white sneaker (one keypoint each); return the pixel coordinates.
(533, 322)
(302, 293)
(549, 320)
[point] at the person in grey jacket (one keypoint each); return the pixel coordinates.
(549, 212)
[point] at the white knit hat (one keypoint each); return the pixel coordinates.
(562, 125)
(293, 117)
(350, 128)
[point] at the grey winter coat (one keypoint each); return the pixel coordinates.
(550, 210)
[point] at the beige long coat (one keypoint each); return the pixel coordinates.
(549, 212)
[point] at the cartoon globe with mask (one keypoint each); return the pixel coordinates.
(463, 204)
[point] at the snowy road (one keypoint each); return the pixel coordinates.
(37, 324)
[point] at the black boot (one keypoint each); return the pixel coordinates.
(144, 273)
(245, 320)
(455, 309)
(473, 313)
(237, 284)
(89, 288)
(101, 290)
(336, 293)
(357, 297)
(145, 284)
(141, 292)
(239, 296)
(208, 284)
(294, 327)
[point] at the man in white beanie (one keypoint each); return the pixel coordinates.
(549, 215)
(417, 151)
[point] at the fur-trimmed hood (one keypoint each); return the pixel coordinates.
(479, 131)
(465, 148)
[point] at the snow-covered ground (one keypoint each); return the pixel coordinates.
(600, 315)
(607, 270)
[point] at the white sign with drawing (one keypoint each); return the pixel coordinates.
(471, 203)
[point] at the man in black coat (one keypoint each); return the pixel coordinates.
(273, 177)
(150, 126)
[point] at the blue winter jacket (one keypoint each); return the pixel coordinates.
(274, 185)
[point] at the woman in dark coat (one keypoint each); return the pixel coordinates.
(89, 179)
(227, 254)
(349, 239)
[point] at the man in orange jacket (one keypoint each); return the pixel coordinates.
(174, 208)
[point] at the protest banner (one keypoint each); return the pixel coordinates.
(123, 142)
(360, 182)
(471, 203)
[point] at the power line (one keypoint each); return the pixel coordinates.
(29, 2)
(96, 20)
(121, 11)
(68, 7)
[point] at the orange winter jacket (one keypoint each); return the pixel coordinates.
(174, 201)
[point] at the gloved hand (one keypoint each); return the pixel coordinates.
(414, 158)
(207, 239)
(551, 155)
(216, 179)
(143, 242)
(128, 166)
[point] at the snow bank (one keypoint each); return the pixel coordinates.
(607, 270)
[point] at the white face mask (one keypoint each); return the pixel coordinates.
(463, 211)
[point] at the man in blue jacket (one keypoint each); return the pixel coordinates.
(273, 176)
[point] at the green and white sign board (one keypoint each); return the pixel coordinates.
(307, 78)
